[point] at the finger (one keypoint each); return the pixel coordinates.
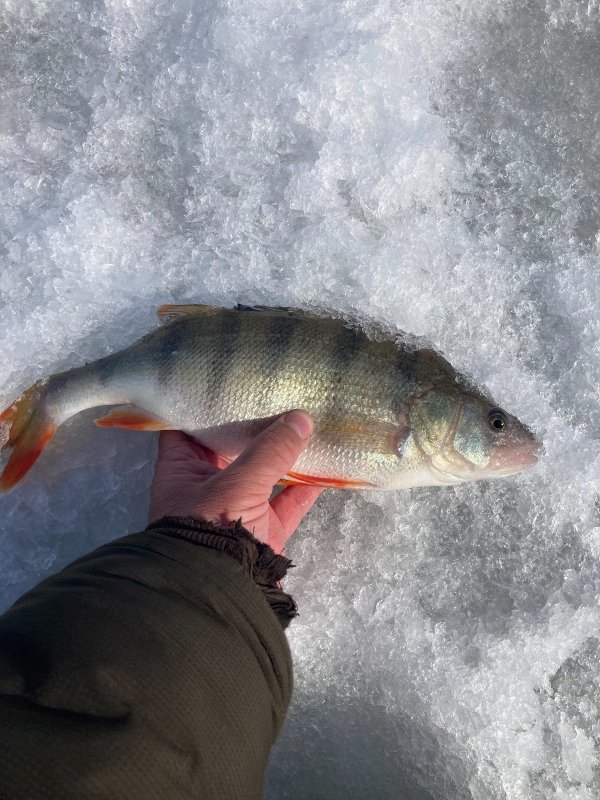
(180, 446)
(271, 454)
(291, 506)
(171, 442)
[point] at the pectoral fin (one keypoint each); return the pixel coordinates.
(133, 418)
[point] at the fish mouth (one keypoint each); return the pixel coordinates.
(514, 458)
(452, 467)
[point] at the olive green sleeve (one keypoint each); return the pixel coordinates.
(154, 668)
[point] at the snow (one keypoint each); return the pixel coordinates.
(429, 165)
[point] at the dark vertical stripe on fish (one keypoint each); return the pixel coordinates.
(105, 370)
(348, 345)
(281, 333)
(174, 335)
(406, 377)
(225, 343)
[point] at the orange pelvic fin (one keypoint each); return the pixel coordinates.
(132, 418)
(293, 478)
(26, 427)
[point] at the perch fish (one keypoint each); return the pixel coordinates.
(387, 415)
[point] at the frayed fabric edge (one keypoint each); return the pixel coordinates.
(260, 562)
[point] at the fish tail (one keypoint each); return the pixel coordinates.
(26, 427)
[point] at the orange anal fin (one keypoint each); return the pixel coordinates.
(293, 478)
(134, 419)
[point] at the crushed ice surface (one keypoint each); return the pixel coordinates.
(430, 166)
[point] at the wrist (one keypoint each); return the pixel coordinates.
(265, 567)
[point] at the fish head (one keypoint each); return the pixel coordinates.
(464, 436)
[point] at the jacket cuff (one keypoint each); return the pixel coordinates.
(265, 567)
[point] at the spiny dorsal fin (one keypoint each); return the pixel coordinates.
(282, 311)
(171, 313)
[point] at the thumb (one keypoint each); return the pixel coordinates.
(273, 452)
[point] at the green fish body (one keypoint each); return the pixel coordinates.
(386, 415)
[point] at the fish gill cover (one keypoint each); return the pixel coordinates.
(429, 165)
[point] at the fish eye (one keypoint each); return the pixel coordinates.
(497, 420)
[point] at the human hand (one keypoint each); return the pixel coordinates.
(192, 481)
